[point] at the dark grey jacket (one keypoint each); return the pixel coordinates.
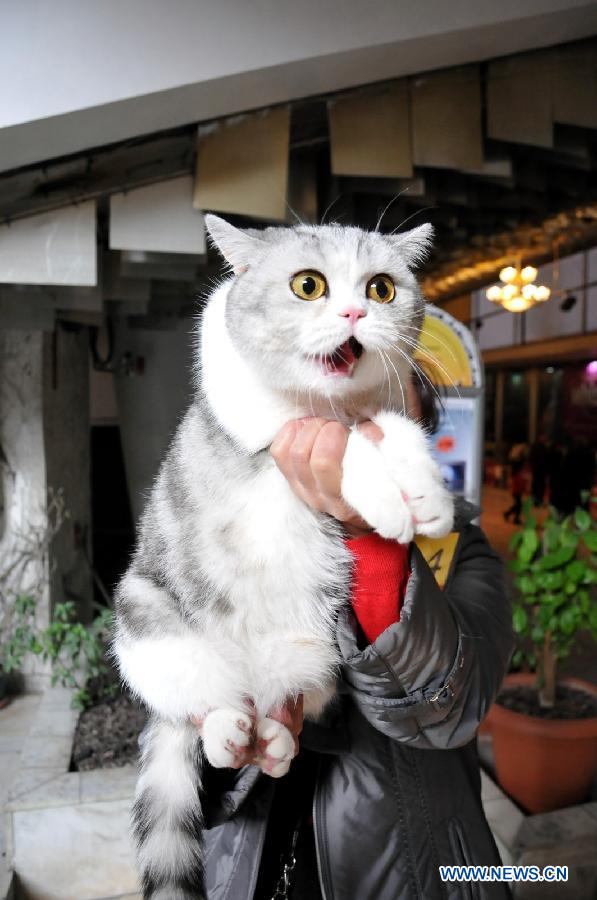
(399, 788)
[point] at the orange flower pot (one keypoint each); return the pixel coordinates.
(543, 764)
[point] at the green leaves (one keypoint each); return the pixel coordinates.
(526, 584)
(576, 571)
(555, 568)
(569, 620)
(519, 619)
(582, 519)
(558, 558)
(528, 545)
(75, 651)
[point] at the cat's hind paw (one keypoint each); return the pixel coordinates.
(226, 734)
(275, 747)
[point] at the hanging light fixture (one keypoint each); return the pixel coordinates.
(517, 293)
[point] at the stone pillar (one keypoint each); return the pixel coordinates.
(151, 404)
(44, 451)
(67, 446)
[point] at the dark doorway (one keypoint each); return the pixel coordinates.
(112, 523)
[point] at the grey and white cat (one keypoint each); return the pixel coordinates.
(235, 584)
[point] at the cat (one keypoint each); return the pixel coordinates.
(235, 584)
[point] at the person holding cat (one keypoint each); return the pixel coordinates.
(276, 578)
(309, 453)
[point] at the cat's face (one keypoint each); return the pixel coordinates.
(330, 310)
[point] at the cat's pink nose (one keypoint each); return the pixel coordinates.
(352, 313)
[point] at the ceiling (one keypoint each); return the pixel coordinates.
(527, 198)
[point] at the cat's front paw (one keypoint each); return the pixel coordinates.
(226, 734)
(412, 468)
(396, 485)
(369, 488)
(430, 503)
(276, 747)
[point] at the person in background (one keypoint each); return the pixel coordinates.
(517, 459)
(539, 459)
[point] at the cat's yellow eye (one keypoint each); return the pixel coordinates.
(381, 289)
(308, 285)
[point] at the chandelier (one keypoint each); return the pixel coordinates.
(518, 292)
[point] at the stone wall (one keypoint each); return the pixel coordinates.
(44, 451)
(67, 458)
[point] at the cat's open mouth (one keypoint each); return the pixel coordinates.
(342, 361)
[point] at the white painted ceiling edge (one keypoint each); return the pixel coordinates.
(84, 75)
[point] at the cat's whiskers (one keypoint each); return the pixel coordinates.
(420, 372)
(333, 408)
(310, 357)
(417, 368)
(295, 214)
(398, 333)
(329, 207)
(438, 340)
(412, 215)
(387, 206)
(389, 359)
(433, 360)
(387, 372)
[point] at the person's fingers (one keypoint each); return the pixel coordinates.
(309, 453)
(371, 431)
(302, 479)
(326, 459)
(296, 715)
(281, 451)
(281, 444)
(243, 756)
(296, 712)
(290, 714)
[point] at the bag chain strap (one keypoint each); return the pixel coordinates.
(285, 883)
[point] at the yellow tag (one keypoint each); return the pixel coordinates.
(438, 553)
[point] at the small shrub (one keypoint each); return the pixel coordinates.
(555, 566)
(75, 651)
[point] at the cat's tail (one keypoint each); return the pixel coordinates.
(167, 819)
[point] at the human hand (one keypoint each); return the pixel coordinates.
(309, 453)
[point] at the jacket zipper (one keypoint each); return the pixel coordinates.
(316, 835)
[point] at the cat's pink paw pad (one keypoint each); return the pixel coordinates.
(275, 747)
(226, 735)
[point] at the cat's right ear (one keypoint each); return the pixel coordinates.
(238, 247)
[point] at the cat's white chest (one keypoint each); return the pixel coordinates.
(269, 553)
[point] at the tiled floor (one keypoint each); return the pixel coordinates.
(494, 502)
(15, 721)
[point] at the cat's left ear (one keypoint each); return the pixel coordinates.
(238, 247)
(414, 245)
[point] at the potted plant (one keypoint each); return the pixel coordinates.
(544, 729)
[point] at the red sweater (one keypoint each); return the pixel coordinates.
(380, 576)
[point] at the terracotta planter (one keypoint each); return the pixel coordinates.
(544, 764)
